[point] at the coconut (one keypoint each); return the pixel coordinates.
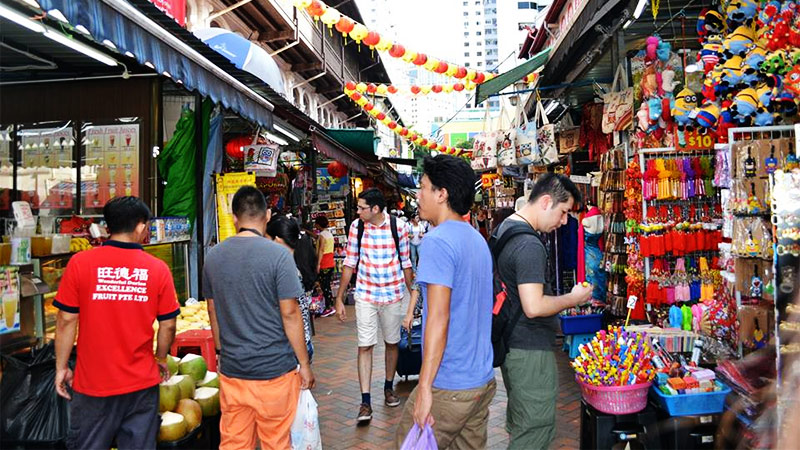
(193, 365)
(173, 427)
(208, 398)
(172, 364)
(211, 380)
(169, 393)
(185, 384)
(191, 411)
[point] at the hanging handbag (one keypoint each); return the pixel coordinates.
(527, 149)
(484, 152)
(545, 137)
(618, 104)
(506, 147)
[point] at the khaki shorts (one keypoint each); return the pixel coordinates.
(370, 316)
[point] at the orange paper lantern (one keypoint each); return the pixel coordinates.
(345, 25)
(420, 59)
(337, 169)
(372, 39)
(397, 51)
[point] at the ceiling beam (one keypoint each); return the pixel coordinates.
(304, 67)
(273, 36)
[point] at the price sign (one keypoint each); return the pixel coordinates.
(632, 301)
(694, 140)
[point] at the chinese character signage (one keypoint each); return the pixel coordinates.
(227, 185)
(176, 9)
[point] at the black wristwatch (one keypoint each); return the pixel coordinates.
(216, 350)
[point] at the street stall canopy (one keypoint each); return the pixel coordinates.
(135, 34)
(363, 142)
(331, 148)
(495, 85)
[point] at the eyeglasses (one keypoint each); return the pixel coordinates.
(363, 208)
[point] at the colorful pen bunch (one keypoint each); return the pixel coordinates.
(615, 358)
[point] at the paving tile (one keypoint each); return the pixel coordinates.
(338, 395)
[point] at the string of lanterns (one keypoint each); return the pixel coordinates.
(386, 89)
(405, 133)
(360, 33)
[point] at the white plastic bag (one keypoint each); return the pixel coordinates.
(305, 428)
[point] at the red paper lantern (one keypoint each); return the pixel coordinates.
(415, 89)
(420, 59)
(355, 96)
(392, 125)
(235, 147)
(432, 145)
(412, 136)
(392, 89)
(350, 86)
(371, 88)
(436, 88)
(461, 72)
(458, 87)
(404, 132)
(316, 8)
(344, 26)
(337, 169)
(397, 51)
(442, 67)
(372, 39)
(369, 107)
(479, 78)
(424, 142)
(380, 116)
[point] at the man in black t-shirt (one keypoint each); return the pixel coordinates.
(529, 370)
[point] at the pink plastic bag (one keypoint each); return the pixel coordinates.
(419, 440)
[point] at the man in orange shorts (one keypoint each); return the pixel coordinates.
(251, 286)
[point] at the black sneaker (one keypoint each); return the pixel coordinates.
(391, 399)
(364, 413)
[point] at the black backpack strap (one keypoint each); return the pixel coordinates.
(497, 246)
(396, 237)
(360, 227)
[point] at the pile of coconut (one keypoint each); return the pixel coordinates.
(191, 393)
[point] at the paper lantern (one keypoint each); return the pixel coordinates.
(372, 38)
(371, 88)
(380, 116)
(369, 107)
(235, 147)
(421, 59)
(392, 89)
(359, 33)
(425, 90)
(436, 88)
(345, 25)
(447, 88)
(415, 89)
(480, 78)
(423, 142)
(403, 131)
(458, 87)
(302, 4)
(397, 51)
(431, 64)
(470, 86)
(355, 96)
(337, 169)
(451, 70)
(382, 89)
(442, 67)
(461, 72)
(316, 9)
(409, 56)
(362, 101)
(361, 87)
(386, 121)
(471, 74)
(432, 145)
(350, 86)
(330, 18)
(441, 147)
(392, 125)
(375, 113)
(384, 44)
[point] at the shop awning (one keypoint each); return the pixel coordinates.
(500, 82)
(333, 149)
(363, 142)
(134, 33)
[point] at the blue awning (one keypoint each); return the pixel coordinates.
(104, 22)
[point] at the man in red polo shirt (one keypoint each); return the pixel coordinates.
(115, 292)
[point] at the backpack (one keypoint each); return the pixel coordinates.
(395, 236)
(504, 315)
(305, 257)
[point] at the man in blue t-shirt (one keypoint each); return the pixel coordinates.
(456, 382)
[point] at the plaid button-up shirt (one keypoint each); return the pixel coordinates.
(379, 278)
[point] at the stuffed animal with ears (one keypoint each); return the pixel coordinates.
(685, 103)
(668, 82)
(745, 106)
(649, 82)
(651, 48)
(776, 63)
(791, 82)
(663, 51)
(709, 23)
(654, 107)
(741, 12)
(711, 53)
(769, 11)
(643, 117)
(739, 42)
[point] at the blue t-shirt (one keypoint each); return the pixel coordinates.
(455, 255)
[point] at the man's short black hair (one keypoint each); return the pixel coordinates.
(249, 202)
(123, 214)
(321, 221)
(557, 186)
(373, 197)
(455, 175)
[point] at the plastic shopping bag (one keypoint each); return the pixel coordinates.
(419, 440)
(305, 428)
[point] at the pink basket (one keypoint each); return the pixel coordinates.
(616, 399)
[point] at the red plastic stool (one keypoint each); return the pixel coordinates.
(198, 338)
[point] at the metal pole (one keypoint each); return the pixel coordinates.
(200, 152)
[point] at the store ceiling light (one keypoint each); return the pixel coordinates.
(56, 14)
(80, 47)
(640, 8)
(276, 139)
(130, 55)
(286, 132)
(82, 29)
(21, 19)
(109, 44)
(627, 24)
(32, 3)
(551, 107)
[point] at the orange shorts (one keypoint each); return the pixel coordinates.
(258, 409)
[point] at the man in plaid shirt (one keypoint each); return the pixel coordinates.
(382, 271)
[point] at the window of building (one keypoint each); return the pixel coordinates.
(480, 43)
(466, 13)
(465, 3)
(466, 24)
(526, 5)
(478, 23)
(478, 33)
(466, 54)
(466, 44)
(466, 65)
(480, 54)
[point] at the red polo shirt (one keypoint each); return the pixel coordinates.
(117, 290)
